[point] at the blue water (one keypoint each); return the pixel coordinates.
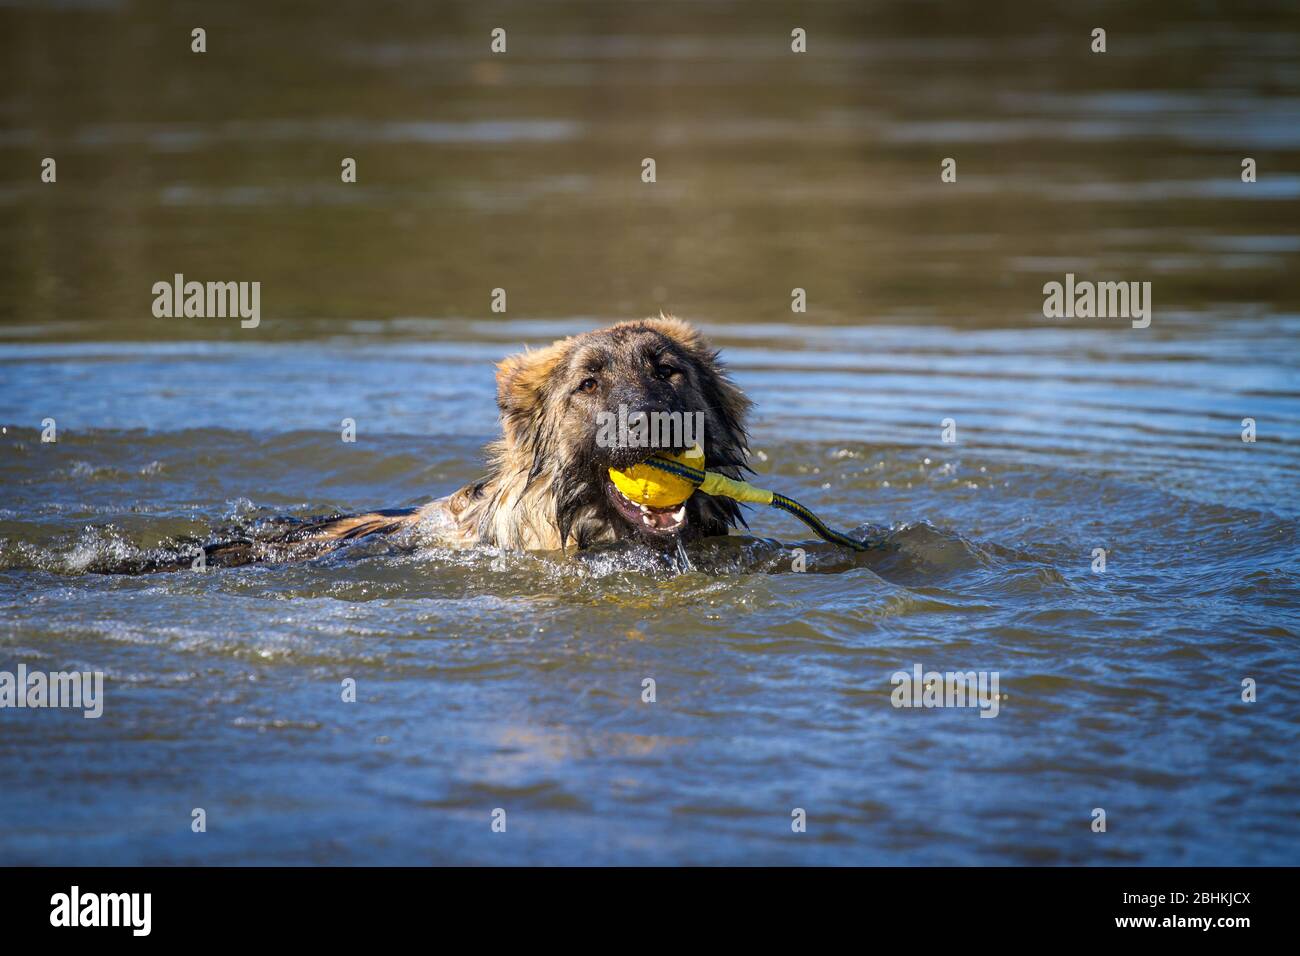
(493, 680)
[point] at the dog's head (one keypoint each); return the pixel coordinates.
(610, 399)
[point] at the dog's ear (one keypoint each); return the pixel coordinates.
(729, 401)
(522, 380)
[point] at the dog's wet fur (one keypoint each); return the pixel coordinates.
(547, 486)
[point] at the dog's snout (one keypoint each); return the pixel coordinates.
(636, 398)
(650, 417)
(646, 396)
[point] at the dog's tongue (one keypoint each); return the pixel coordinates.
(669, 519)
(656, 519)
(663, 519)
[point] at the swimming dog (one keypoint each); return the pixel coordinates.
(547, 487)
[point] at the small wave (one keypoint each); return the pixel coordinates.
(86, 471)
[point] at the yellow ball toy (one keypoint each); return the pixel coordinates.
(647, 485)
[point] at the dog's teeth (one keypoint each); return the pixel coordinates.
(644, 509)
(679, 514)
(645, 520)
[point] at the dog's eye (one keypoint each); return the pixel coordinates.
(666, 371)
(587, 385)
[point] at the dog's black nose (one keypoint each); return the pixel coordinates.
(643, 397)
(648, 419)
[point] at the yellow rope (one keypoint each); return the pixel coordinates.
(713, 483)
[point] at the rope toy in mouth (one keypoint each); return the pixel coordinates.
(666, 480)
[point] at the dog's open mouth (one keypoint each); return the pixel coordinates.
(656, 521)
